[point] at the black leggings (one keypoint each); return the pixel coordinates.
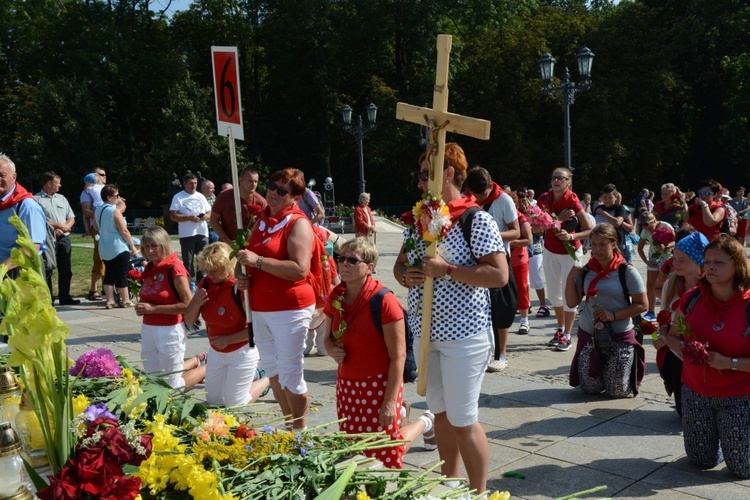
(116, 270)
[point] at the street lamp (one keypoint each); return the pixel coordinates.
(359, 131)
(567, 91)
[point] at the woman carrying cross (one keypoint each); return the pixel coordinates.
(460, 342)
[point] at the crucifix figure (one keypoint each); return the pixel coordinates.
(440, 121)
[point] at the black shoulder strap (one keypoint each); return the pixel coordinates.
(466, 220)
(376, 307)
(622, 270)
(694, 296)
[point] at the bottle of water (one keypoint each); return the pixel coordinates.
(192, 287)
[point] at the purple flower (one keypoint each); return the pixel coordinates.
(96, 363)
(98, 410)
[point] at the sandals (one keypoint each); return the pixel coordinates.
(110, 305)
(125, 305)
(430, 441)
(259, 374)
(543, 312)
(94, 295)
(200, 358)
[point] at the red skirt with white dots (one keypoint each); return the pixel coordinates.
(359, 401)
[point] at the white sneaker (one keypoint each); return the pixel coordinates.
(497, 365)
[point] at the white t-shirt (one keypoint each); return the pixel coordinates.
(503, 210)
(191, 204)
(93, 195)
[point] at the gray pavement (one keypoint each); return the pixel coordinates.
(562, 440)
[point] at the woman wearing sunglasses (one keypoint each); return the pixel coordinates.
(563, 202)
(461, 326)
(707, 212)
(369, 385)
(277, 259)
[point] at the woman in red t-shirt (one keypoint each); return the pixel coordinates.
(563, 202)
(716, 392)
(370, 385)
(232, 374)
(707, 212)
(164, 295)
(277, 259)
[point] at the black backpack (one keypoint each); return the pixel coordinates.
(506, 298)
(376, 306)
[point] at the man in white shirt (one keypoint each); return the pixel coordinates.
(502, 208)
(191, 211)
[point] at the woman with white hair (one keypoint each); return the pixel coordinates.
(364, 223)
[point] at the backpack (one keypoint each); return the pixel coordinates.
(49, 254)
(323, 270)
(729, 224)
(410, 364)
(506, 298)
(621, 270)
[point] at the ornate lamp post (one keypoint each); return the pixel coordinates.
(359, 131)
(567, 91)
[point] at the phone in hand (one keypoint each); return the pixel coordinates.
(201, 215)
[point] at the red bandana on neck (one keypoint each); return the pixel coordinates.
(16, 196)
(718, 307)
(595, 266)
(495, 193)
(459, 206)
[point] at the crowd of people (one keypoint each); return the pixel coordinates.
(260, 308)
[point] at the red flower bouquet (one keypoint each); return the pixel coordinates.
(663, 236)
(648, 328)
(695, 352)
(95, 469)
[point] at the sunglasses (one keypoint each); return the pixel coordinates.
(352, 261)
(424, 175)
(559, 178)
(281, 190)
(705, 193)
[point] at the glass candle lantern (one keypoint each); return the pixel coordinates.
(11, 465)
(10, 395)
(30, 431)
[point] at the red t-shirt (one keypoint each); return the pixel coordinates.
(221, 314)
(156, 289)
(568, 200)
(269, 239)
(366, 351)
(224, 207)
(519, 255)
(729, 341)
(695, 219)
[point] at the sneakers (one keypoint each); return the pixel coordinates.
(523, 329)
(564, 344)
(543, 312)
(428, 435)
(650, 316)
(498, 365)
(559, 335)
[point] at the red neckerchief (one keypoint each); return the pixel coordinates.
(567, 200)
(495, 193)
(718, 307)
(595, 266)
(168, 261)
(660, 207)
(16, 196)
(369, 289)
(271, 222)
(459, 206)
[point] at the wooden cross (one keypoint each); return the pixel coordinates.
(440, 121)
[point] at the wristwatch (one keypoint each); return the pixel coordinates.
(735, 364)
(449, 271)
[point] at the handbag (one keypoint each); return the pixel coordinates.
(603, 338)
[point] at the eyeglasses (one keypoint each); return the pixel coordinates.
(352, 261)
(559, 178)
(707, 192)
(281, 190)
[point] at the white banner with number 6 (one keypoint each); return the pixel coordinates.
(227, 91)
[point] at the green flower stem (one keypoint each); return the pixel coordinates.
(582, 493)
